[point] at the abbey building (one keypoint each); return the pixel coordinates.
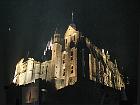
(70, 60)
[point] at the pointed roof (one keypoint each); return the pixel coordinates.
(72, 27)
(70, 30)
(72, 21)
(56, 31)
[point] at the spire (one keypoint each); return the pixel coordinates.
(28, 54)
(116, 63)
(72, 21)
(72, 17)
(56, 30)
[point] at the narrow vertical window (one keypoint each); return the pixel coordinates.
(66, 41)
(74, 37)
(71, 69)
(64, 72)
(71, 55)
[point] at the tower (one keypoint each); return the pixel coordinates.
(71, 38)
(71, 35)
(56, 56)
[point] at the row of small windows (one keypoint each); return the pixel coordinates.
(65, 71)
(71, 56)
(70, 39)
(44, 66)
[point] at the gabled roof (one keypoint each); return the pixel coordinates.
(71, 29)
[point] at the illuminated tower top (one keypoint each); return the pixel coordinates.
(56, 36)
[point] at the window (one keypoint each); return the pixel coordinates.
(66, 41)
(71, 71)
(74, 37)
(46, 71)
(71, 67)
(64, 72)
(63, 61)
(64, 56)
(71, 55)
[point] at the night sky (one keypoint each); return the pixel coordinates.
(28, 26)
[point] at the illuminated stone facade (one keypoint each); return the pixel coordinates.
(69, 60)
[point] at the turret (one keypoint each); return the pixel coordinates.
(56, 54)
(56, 36)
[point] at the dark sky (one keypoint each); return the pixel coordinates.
(110, 24)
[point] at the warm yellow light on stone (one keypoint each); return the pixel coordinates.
(62, 67)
